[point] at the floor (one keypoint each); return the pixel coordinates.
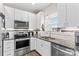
(32, 53)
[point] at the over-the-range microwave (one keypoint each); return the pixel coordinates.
(21, 24)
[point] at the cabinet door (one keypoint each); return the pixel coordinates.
(8, 47)
(1, 8)
(40, 19)
(18, 14)
(25, 16)
(73, 14)
(33, 43)
(38, 46)
(43, 47)
(42, 16)
(21, 15)
(32, 21)
(46, 48)
(61, 9)
(47, 24)
(9, 17)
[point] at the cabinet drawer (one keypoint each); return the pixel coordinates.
(9, 53)
(8, 48)
(9, 45)
(8, 42)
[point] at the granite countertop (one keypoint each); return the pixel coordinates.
(63, 38)
(60, 42)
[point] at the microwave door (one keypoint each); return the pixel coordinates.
(21, 25)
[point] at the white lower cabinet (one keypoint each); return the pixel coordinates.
(32, 43)
(8, 48)
(43, 47)
(0, 50)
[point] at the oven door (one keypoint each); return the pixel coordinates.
(22, 47)
(22, 44)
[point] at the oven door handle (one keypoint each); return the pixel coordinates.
(63, 50)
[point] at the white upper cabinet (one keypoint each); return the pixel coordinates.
(17, 14)
(25, 16)
(9, 17)
(61, 9)
(42, 16)
(40, 19)
(21, 15)
(73, 14)
(1, 8)
(32, 21)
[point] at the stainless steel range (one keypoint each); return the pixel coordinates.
(22, 43)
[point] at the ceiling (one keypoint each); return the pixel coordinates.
(34, 8)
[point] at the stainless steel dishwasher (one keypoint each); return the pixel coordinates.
(58, 50)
